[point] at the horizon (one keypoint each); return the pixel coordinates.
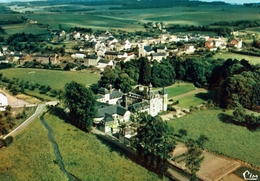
(227, 1)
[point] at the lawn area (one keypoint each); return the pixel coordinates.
(226, 55)
(191, 100)
(228, 139)
(54, 78)
(88, 158)
(30, 157)
(176, 90)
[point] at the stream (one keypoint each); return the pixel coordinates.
(59, 161)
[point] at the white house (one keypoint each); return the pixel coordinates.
(3, 102)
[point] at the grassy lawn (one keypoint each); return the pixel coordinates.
(30, 157)
(88, 158)
(55, 79)
(227, 55)
(176, 90)
(191, 100)
(231, 140)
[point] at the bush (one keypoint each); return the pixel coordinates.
(2, 143)
(19, 116)
(8, 141)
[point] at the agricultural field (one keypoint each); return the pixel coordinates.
(228, 139)
(54, 78)
(226, 55)
(103, 18)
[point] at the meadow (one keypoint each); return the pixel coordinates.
(226, 55)
(228, 139)
(54, 78)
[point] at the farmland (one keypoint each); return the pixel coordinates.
(226, 55)
(103, 18)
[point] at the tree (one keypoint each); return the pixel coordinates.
(153, 141)
(201, 140)
(193, 158)
(182, 132)
(81, 103)
(145, 71)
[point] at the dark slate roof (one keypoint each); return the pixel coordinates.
(108, 117)
(139, 106)
(103, 91)
(111, 53)
(148, 48)
(91, 57)
(159, 54)
(103, 109)
(164, 91)
(103, 61)
(115, 94)
(2, 58)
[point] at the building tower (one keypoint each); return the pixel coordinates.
(165, 99)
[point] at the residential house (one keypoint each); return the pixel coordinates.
(3, 101)
(90, 60)
(110, 96)
(145, 50)
(102, 63)
(110, 116)
(189, 49)
(237, 43)
(78, 55)
(157, 56)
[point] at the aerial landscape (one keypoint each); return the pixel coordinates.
(129, 90)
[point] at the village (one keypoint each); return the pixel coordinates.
(102, 48)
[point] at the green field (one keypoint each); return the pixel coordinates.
(88, 158)
(179, 89)
(228, 139)
(226, 55)
(191, 100)
(55, 79)
(31, 156)
(132, 19)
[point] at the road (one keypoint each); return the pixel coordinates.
(27, 122)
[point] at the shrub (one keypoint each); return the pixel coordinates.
(8, 141)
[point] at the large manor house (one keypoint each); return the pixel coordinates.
(115, 107)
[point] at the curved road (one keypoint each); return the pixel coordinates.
(39, 109)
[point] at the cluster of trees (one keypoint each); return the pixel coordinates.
(241, 24)
(142, 71)
(240, 117)
(15, 86)
(240, 85)
(153, 142)
(30, 43)
(81, 103)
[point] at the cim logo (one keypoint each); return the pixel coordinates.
(249, 176)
